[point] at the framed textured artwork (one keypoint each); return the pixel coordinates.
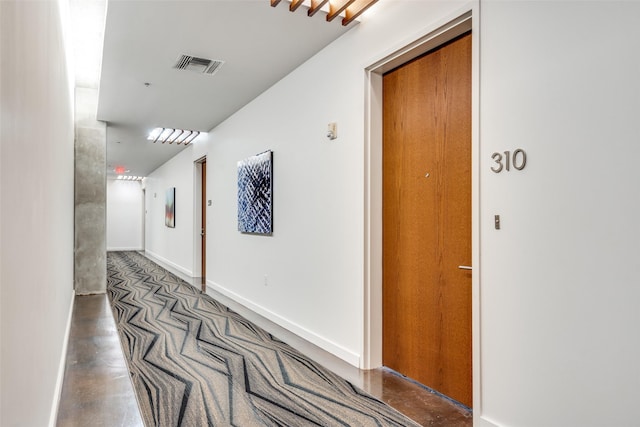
(255, 194)
(170, 208)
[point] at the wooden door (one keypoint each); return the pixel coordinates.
(203, 243)
(427, 219)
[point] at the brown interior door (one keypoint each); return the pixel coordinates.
(427, 219)
(203, 234)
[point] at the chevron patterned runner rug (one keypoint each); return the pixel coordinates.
(194, 362)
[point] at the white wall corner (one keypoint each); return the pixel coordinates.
(61, 366)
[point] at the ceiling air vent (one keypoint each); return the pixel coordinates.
(198, 65)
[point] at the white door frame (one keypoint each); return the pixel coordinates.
(372, 324)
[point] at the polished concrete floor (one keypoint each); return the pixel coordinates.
(97, 390)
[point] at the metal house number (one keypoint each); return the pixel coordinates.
(504, 161)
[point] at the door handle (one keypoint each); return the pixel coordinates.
(465, 267)
(202, 233)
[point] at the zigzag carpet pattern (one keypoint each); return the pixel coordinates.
(194, 362)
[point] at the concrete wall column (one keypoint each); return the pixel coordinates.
(90, 196)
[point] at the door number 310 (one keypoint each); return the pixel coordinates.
(504, 161)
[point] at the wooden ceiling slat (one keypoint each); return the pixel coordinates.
(337, 7)
(316, 5)
(351, 8)
(356, 9)
(295, 4)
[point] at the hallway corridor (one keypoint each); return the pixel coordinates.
(97, 390)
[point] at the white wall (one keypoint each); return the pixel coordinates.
(314, 262)
(36, 222)
(173, 246)
(557, 295)
(560, 283)
(125, 214)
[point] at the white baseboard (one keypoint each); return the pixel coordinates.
(481, 421)
(279, 326)
(286, 326)
(167, 263)
(53, 418)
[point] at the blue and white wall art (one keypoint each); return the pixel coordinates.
(255, 194)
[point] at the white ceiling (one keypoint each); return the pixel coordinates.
(259, 44)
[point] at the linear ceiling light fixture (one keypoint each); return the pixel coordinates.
(351, 9)
(171, 135)
(130, 178)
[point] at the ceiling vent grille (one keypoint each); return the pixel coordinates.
(198, 65)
